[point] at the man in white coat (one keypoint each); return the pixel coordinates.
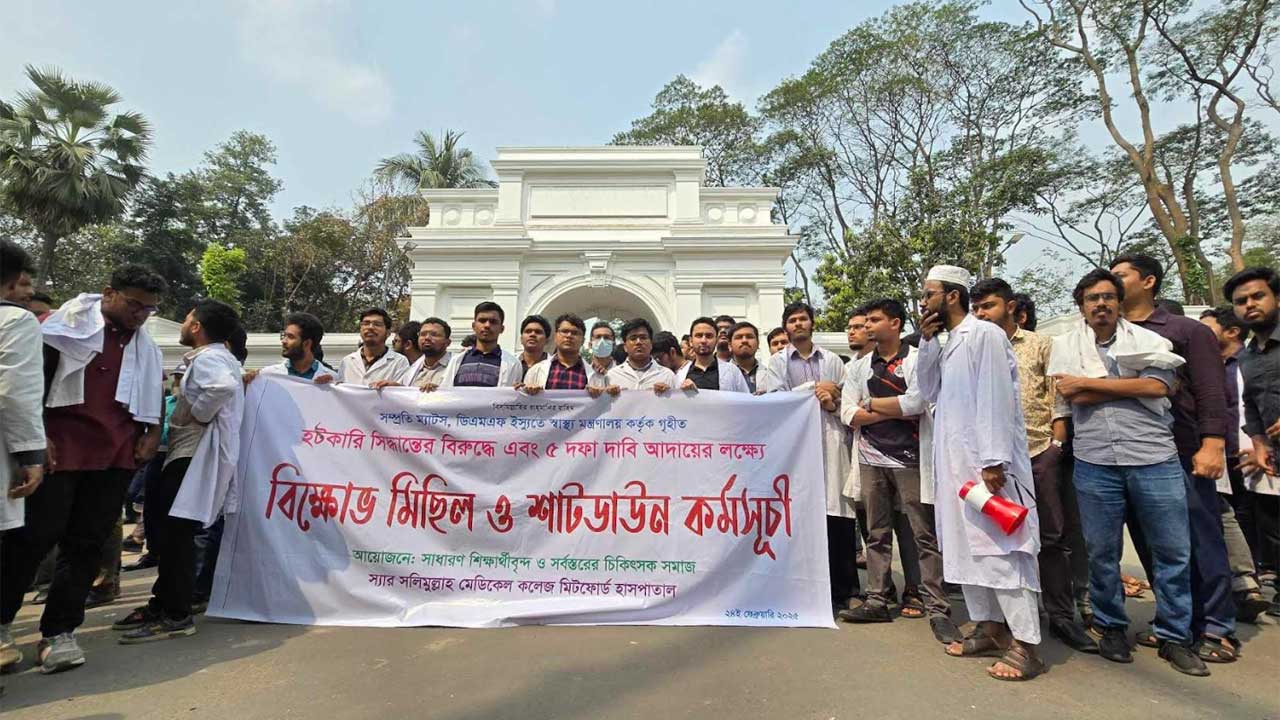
(804, 367)
(707, 371)
(485, 364)
(22, 442)
(373, 360)
(980, 436)
(191, 488)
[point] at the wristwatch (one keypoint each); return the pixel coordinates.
(1056, 443)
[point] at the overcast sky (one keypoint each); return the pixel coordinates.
(337, 85)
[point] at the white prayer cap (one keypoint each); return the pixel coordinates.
(950, 274)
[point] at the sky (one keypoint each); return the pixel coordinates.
(338, 84)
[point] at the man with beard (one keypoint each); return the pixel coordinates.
(1253, 293)
(96, 350)
(994, 301)
(300, 348)
(428, 370)
(724, 323)
(805, 367)
(1117, 378)
(860, 342)
(1199, 427)
(373, 361)
(744, 342)
(708, 371)
(210, 399)
(486, 364)
(406, 341)
(980, 443)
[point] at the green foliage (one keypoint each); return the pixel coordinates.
(220, 271)
(684, 113)
(435, 163)
(65, 161)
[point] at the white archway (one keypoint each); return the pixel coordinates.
(618, 299)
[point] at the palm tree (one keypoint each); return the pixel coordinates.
(434, 165)
(65, 161)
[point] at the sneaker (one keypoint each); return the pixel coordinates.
(1183, 659)
(140, 617)
(164, 629)
(146, 561)
(10, 655)
(1114, 646)
(199, 606)
(60, 652)
(867, 613)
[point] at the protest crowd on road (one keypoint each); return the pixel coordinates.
(1137, 420)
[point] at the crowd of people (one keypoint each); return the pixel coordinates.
(1137, 418)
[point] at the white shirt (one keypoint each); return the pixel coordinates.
(21, 391)
(213, 387)
(433, 375)
(629, 378)
(282, 368)
(390, 366)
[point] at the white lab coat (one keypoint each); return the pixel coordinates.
(731, 379)
(21, 391)
(836, 438)
(213, 386)
(973, 383)
(537, 375)
(391, 366)
(857, 372)
(510, 372)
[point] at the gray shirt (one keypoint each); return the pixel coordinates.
(1124, 432)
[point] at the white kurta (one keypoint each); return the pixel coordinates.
(836, 442)
(977, 422)
(391, 366)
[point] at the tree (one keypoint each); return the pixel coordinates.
(220, 271)
(65, 161)
(685, 113)
(1122, 40)
(435, 164)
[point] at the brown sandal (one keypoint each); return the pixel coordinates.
(1017, 658)
(977, 644)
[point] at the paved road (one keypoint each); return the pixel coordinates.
(245, 670)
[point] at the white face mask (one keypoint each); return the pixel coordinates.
(603, 348)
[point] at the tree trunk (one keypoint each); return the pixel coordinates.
(48, 244)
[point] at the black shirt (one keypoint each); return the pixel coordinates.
(897, 439)
(708, 379)
(1260, 367)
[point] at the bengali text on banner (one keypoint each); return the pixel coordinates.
(485, 508)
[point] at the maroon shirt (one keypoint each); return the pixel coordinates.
(98, 434)
(1200, 400)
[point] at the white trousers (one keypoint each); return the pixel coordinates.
(1017, 607)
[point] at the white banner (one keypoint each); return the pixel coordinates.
(484, 508)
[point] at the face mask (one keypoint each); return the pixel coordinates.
(603, 348)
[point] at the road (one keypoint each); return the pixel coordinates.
(234, 669)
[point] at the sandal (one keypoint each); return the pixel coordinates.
(1213, 649)
(977, 644)
(912, 605)
(1146, 638)
(1017, 658)
(1132, 587)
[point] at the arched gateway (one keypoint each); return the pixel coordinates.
(601, 231)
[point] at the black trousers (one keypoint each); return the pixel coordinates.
(1059, 531)
(842, 558)
(172, 541)
(76, 511)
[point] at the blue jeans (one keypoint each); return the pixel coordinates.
(1157, 495)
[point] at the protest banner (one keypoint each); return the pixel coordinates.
(492, 507)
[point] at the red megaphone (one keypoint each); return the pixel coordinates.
(1008, 515)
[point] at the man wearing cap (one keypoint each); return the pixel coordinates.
(979, 436)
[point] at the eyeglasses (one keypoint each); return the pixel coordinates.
(924, 296)
(138, 308)
(1101, 297)
(569, 332)
(288, 336)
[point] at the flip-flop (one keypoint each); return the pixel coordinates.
(1146, 638)
(1018, 659)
